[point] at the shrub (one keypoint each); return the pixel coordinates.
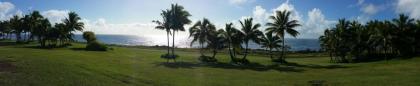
(207, 59)
(89, 36)
(96, 46)
(92, 44)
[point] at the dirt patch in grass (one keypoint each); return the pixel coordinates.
(7, 66)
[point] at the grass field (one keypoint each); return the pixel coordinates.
(73, 66)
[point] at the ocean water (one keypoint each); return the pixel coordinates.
(184, 42)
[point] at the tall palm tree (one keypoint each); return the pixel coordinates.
(25, 23)
(200, 32)
(382, 36)
(15, 24)
(417, 37)
(271, 42)
(327, 42)
(282, 24)
(404, 25)
(45, 26)
(250, 32)
(179, 18)
(164, 25)
(73, 23)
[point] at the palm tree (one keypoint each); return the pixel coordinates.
(250, 32)
(164, 25)
(281, 25)
(25, 23)
(15, 24)
(216, 40)
(271, 42)
(6, 29)
(382, 36)
(178, 18)
(327, 42)
(234, 39)
(73, 23)
(405, 34)
(45, 26)
(200, 32)
(417, 37)
(34, 24)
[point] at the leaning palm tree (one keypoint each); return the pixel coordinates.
(216, 41)
(200, 32)
(234, 40)
(250, 32)
(164, 25)
(282, 24)
(179, 18)
(73, 23)
(271, 42)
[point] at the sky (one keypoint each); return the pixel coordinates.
(134, 17)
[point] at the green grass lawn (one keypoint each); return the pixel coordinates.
(27, 65)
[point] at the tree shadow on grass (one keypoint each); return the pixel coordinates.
(188, 65)
(251, 66)
(315, 66)
(78, 49)
(7, 43)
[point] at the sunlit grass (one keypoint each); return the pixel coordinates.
(143, 66)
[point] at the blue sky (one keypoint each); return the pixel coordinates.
(134, 17)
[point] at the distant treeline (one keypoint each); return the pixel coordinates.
(34, 26)
(351, 41)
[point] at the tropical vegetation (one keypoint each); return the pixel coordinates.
(351, 41)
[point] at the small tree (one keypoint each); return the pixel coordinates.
(92, 44)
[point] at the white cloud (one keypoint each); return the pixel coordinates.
(259, 14)
(238, 2)
(315, 25)
(289, 7)
(101, 26)
(412, 7)
(360, 2)
(55, 16)
(369, 9)
(5, 8)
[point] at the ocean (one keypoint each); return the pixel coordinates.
(184, 42)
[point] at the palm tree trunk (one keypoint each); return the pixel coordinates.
(271, 54)
(230, 52)
(167, 37)
(201, 49)
(173, 44)
(246, 50)
(214, 53)
(283, 49)
(331, 57)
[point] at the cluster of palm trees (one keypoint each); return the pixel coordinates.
(351, 41)
(205, 33)
(209, 37)
(35, 26)
(173, 19)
